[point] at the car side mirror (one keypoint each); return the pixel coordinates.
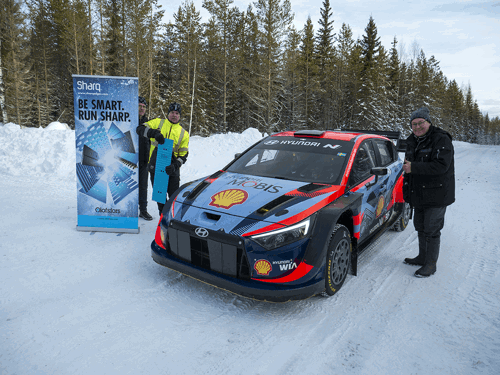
(377, 171)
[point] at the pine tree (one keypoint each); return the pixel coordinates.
(274, 20)
(15, 69)
(308, 77)
(248, 59)
(291, 109)
(188, 46)
(372, 96)
(41, 40)
(394, 115)
(224, 19)
(325, 57)
(348, 72)
(113, 38)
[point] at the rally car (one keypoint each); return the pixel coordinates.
(286, 218)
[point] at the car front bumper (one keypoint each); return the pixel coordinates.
(270, 292)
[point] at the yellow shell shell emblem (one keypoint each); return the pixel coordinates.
(380, 206)
(263, 267)
(228, 198)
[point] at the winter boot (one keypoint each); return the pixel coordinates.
(419, 260)
(431, 258)
(426, 271)
(145, 215)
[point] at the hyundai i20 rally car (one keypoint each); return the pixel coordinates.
(287, 218)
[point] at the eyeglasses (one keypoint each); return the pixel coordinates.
(142, 106)
(420, 123)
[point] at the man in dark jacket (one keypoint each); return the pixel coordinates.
(144, 146)
(429, 186)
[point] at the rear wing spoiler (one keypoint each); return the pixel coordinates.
(394, 136)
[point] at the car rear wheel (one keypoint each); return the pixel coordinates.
(403, 220)
(338, 259)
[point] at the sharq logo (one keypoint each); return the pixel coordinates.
(101, 210)
(89, 86)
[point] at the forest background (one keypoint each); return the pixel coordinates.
(239, 69)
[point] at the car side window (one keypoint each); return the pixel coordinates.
(386, 153)
(363, 163)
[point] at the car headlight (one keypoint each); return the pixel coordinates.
(163, 234)
(284, 236)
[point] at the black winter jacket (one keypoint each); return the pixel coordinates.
(431, 182)
(144, 144)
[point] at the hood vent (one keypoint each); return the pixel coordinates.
(273, 204)
(198, 189)
(310, 187)
(203, 185)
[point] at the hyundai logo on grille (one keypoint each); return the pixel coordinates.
(201, 232)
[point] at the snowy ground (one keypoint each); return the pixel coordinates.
(95, 303)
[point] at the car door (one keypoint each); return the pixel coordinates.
(372, 188)
(386, 157)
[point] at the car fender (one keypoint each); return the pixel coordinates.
(325, 223)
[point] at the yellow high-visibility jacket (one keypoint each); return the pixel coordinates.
(171, 131)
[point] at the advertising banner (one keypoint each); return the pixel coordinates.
(106, 117)
(163, 159)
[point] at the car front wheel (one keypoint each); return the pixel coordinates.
(338, 259)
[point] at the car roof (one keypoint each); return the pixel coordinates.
(327, 134)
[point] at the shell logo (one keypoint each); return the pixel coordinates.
(228, 198)
(380, 206)
(263, 267)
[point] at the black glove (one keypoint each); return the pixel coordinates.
(156, 134)
(173, 168)
(159, 137)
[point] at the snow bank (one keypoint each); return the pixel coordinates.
(207, 155)
(57, 126)
(50, 152)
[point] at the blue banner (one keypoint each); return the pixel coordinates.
(107, 158)
(163, 159)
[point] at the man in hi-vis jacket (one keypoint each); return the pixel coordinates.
(160, 129)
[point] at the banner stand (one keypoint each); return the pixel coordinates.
(107, 153)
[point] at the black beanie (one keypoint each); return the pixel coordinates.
(142, 101)
(421, 113)
(174, 107)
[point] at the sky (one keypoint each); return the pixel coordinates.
(75, 302)
(464, 36)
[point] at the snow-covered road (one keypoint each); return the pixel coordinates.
(95, 303)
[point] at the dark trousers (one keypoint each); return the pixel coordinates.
(143, 186)
(173, 185)
(428, 223)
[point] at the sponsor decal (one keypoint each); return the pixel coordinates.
(331, 146)
(263, 267)
(247, 183)
(107, 210)
(382, 220)
(380, 206)
(228, 198)
(293, 143)
(201, 232)
(285, 265)
(341, 154)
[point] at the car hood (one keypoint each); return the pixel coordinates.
(235, 199)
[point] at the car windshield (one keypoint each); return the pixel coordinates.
(316, 160)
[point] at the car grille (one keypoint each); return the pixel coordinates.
(219, 252)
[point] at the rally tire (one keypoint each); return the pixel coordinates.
(403, 219)
(338, 260)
